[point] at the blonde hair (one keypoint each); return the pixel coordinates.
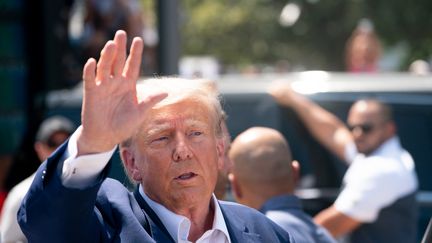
(179, 89)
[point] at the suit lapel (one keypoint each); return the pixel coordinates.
(237, 228)
(158, 230)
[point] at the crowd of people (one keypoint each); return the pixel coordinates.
(175, 146)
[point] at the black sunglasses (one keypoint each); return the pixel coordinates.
(366, 128)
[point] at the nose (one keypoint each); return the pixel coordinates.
(181, 151)
(357, 132)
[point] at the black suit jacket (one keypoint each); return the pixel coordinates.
(107, 212)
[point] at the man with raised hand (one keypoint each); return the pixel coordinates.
(377, 202)
(171, 146)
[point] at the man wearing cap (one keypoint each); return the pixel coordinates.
(52, 133)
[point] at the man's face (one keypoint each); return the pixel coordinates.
(177, 155)
(367, 127)
(45, 149)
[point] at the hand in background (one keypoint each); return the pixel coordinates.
(282, 93)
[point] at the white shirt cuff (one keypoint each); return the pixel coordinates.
(82, 171)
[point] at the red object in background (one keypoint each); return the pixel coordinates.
(3, 195)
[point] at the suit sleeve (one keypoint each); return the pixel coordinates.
(51, 212)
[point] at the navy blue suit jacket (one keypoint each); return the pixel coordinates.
(108, 212)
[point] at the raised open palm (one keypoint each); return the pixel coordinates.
(111, 112)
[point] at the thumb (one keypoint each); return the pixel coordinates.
(150, 101)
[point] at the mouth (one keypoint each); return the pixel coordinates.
(186, 176)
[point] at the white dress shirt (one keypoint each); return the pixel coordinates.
(84, 170)
(374, 182)
(178, 226)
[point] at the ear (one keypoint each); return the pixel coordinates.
(391, 128)
(42, 151)
(38, 147)
(220, 149)
(295, 171)
(130, 164)
(235, 187)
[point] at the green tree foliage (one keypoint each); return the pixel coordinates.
(407, 21)
(241, 32)
(236, 32)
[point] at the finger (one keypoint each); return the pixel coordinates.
(105, 62)
(120, 56)
(89, 73)
(276, 87)
(272, 90)
(133, 63)
(150, 101)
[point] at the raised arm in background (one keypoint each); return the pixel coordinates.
(323, 125)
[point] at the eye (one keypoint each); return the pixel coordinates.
(160, 139)
(196, 133)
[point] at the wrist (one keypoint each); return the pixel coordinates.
(92, 145)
